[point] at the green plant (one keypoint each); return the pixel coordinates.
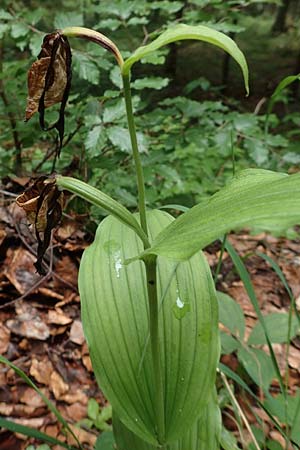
(262, 368)
(98, 417)
(149, 306)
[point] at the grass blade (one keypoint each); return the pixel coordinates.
(50, 405)
(31, 432)
(244, 275)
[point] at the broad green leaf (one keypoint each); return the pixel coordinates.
(86, 68)
(119, 137)
(258, 365)
(3, 29)
(19, 29)
(228, 440)
(184, 32)
(277, 325)
(274, 445)
(98, 198)
(254, 198)
(92, 140)
(291, 158)
(68, 19)
(105, 441)
(115, 321)
(287, 410)
(150, 83)
(93, 408)
(228, 343)
(114, 112)
(4, 15)
(204, 434)
(231, 315)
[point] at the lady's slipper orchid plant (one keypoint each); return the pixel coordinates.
(148, 301)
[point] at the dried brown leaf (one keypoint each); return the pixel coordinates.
(41, 370)
(57, 385)
(58, 317)
(47, 75)
(76, 333)
(4, 338)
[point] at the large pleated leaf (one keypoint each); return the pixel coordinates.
(260, 198)
(199, 32)
(115, 322)
(203, 435)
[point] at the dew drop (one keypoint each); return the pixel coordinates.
(179, 303)
(118, 263)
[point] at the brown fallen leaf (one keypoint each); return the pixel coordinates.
(57, 317)
(28, 323)
(6, 409)
(87, 363)
(294, 358)
(76, 411)
(4, 338)
(57, 385)
(35, 422)
(73, 397)
(3, 235)
(86, 437)
(76, 333)
(33, 329)
(41, 370)
(19, 270)
(31, 398)
(58, 330)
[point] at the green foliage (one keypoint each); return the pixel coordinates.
(105, 441)
(204, 434)
(123, 366)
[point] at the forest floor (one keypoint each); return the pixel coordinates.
(41, 332)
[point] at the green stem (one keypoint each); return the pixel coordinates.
(136, 154)
(155, 349)
(150, 264)
(220, 259)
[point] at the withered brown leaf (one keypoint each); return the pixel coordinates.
(49, 81)
(43, 203)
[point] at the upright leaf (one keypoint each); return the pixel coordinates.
(203, 435)
(115, 321)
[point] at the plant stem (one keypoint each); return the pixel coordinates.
(136, 154)
(220, 260)
(150, 264)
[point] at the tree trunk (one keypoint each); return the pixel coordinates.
(279, 25)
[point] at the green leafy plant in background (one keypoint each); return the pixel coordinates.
(262, 368)
(149, 307)
(98, 417)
